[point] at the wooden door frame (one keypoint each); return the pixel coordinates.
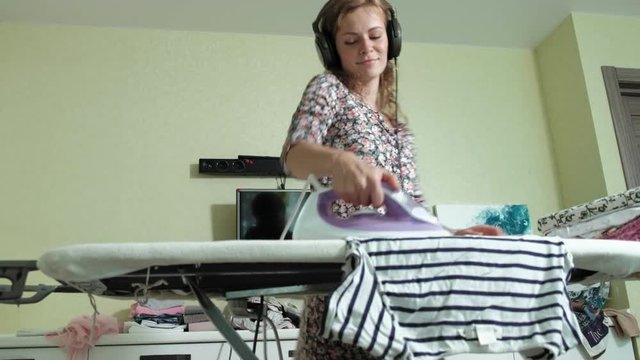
(620, 114)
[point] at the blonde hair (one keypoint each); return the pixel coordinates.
(329, 17)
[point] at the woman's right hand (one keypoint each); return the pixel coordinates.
(354, 180)
(359, 183)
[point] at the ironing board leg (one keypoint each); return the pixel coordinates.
(223, 326)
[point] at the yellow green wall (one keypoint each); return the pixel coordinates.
(101, 130)
(480, 123)
(584, 141)
(567, 105)
(608, 41)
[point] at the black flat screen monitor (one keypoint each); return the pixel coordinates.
(263, 213)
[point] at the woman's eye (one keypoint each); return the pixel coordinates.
(350, 42)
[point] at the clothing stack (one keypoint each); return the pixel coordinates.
(282, 314)
(197, 320)
(156, 316)
(612, 217)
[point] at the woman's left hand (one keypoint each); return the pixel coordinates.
(485, 230)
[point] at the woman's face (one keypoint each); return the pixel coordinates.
(361, 42)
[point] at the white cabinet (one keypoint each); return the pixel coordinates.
(203, 351)
(29, 348)
(188, 351)
(32, 354)
(211, 345)
(288, 348)
(617, 349)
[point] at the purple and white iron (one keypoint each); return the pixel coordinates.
(404, 217)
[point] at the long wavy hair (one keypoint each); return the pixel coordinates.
(329, 16)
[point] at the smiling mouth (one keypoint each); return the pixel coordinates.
(368, 61)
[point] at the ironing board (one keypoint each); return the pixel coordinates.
(234, 269)
(237, 269)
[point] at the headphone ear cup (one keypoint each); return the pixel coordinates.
(394, 34)
(326, 51)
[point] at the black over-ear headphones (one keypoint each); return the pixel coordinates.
(326, 47)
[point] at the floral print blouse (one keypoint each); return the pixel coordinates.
(330, 114)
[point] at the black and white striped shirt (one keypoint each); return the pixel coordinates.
(426, 298)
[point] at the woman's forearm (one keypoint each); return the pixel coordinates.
(305, 158)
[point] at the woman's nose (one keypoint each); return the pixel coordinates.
(366, 46)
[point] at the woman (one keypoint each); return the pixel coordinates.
(346, 130)
(345, 126)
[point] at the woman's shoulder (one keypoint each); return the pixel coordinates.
(327, 80)
(325, 86)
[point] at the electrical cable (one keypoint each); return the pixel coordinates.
(296, 208)
(275, 333)
(255, 334)
(264, 334)
(395, 67)
(281, 181)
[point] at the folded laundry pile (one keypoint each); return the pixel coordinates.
(156, 315)
(611, 217)
(282, 314)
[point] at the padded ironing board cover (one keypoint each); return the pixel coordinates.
(87, 262)
(590, 210)
(611, 259)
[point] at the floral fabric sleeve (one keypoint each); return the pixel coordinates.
(315, 113)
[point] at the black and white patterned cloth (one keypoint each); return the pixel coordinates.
(590, 210)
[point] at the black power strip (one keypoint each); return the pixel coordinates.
(244, 165)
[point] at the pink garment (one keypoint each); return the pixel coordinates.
(137, 309)
(75, 338)
(628, 231)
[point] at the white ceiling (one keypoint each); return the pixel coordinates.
(496, 23)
